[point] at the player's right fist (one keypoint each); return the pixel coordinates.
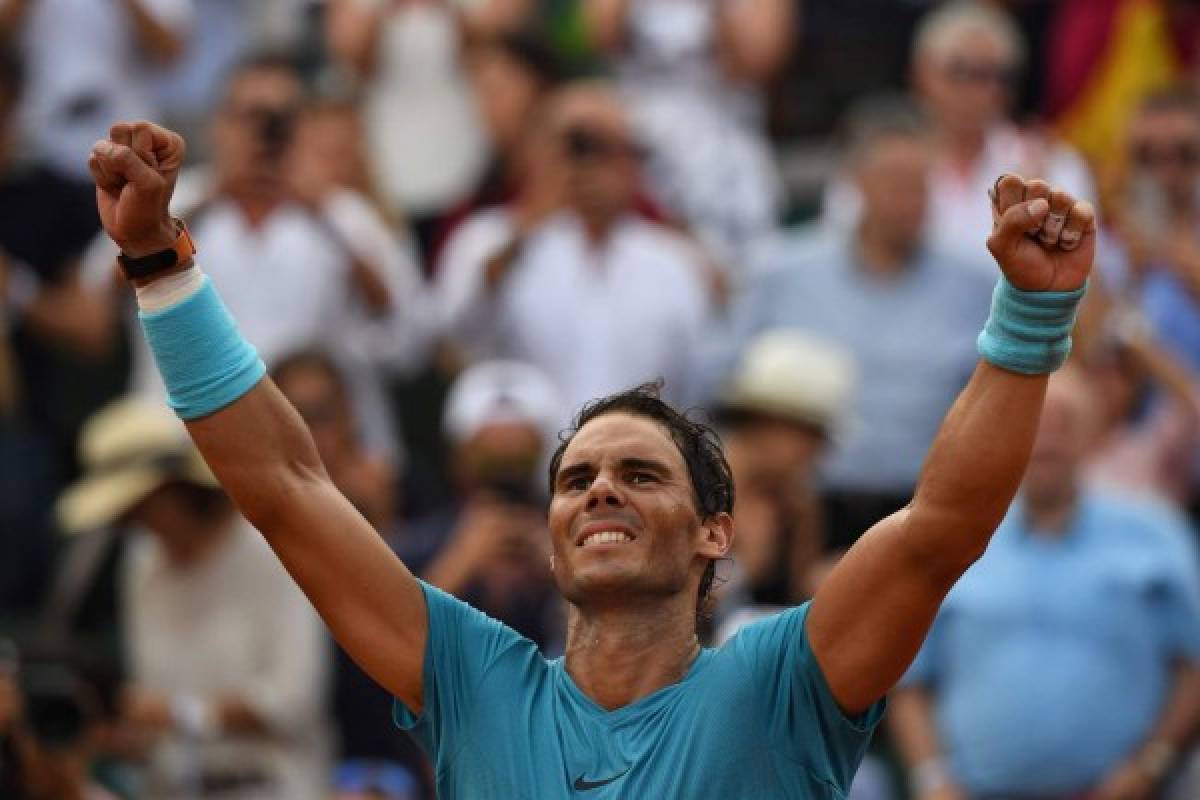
(135, 170)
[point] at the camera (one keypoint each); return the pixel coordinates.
(58, 705)
(274, 128)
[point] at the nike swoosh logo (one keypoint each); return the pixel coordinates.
(582, 786)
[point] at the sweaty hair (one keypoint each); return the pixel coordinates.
(711, 478)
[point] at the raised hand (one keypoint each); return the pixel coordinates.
(1042, 238)
(135, 170)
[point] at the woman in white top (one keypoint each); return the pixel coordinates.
(693, 71)
(426, 142)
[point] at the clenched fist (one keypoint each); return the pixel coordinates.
(1044, 239)
(135, 170)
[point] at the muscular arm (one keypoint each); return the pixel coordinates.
(872, 613)
(263, 455)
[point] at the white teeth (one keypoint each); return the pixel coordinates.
(607, 537)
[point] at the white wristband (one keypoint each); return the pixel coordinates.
(169, 290)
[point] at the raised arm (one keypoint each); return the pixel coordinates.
(253, 439)
(870, 616)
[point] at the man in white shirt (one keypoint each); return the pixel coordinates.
(573, 281)
(89, 64)
(311, 261)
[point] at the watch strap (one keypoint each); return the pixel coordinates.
(148, 265)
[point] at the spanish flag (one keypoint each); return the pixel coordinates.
(1103, 57)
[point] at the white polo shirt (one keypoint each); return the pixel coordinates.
(595, 319)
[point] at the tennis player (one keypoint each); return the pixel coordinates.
(640, 511)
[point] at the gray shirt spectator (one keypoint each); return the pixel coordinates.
(912, 334)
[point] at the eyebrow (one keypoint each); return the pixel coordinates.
(585, 468)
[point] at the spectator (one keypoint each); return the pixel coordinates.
(424, 134)
(50, 720)
(906, 312)
(62, 335)
(693, 72)
(90, 65)
(776, 419)
(227, 660)
(188, 92)
(490, 547)
(59, 353)
(1148, 414)
(368, 744)
(1155, 262)
(1000, 702)
(315, 386)
(569, 278)
(511, 74)
(967, 56)
(326, 268)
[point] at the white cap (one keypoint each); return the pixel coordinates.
(500, 392)
(795, 376)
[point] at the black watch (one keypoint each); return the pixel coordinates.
(147, 266)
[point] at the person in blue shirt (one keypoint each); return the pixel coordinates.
(1067, 660)
(640, 511)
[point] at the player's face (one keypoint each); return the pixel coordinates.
(623, 517)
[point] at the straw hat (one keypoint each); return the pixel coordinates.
(794, 376)
(128, 449)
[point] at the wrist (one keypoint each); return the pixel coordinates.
(161, 238)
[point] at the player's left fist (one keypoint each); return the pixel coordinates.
(1042, 237)
(135, 170)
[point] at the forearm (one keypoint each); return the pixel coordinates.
(153, 35)
(910, 718)
(1179, 721)
(755, 36)
(973, 469)
(604, 22)
(353, 32)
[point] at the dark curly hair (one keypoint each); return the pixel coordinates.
(712, 480)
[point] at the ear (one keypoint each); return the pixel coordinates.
(718, 536)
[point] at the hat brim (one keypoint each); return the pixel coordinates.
(100, 500)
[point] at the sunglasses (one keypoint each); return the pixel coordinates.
(980, 73)
(1184, 152)
(583, 144)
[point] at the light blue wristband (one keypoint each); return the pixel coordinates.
(1029, 332)
(204, 361)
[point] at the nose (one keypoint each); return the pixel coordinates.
(603, 492)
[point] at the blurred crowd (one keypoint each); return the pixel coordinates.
(447, 224)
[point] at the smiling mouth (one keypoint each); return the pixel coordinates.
(605, 537)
